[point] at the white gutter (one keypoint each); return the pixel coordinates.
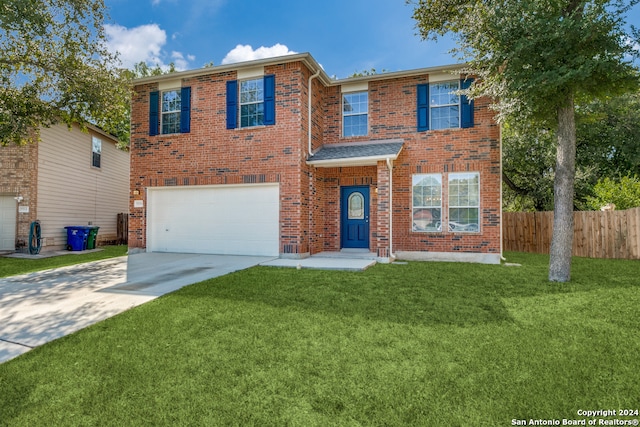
(310, 92)
(390, 166)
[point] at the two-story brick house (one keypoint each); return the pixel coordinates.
(274, 157)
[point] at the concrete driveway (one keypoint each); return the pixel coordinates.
(39, 307)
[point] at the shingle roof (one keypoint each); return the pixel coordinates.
(356, 153)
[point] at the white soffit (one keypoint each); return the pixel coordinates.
(354, 87)
(249, 73)
(443, 77)
(169, 84)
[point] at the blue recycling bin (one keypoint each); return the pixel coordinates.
(77, 237)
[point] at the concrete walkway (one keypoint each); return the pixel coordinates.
(357, 260)
(39, 307)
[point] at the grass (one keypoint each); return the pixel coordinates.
(13, 266)
(418, 344)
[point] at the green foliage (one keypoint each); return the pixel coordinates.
(608, 135)
(371, 72)
(532, 55)
(623, 193)
(54, 67)
(608, 145)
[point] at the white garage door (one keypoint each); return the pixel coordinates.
(229, 219)
(7, 223)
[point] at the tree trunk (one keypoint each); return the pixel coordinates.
(563, 191)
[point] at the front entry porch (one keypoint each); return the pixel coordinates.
(345, 260)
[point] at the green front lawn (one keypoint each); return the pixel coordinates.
(433, 344)
(13, 266)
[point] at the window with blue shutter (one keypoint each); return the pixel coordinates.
(170, 111)
(154, 118)
(440, 106)
(251, 102)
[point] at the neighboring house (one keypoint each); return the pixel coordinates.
(70, 177)
(273, 157)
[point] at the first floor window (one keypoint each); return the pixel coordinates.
(171, 106)
(355, 112)
(96, 148)
(464, 202)
(461, 190)
(427, 202)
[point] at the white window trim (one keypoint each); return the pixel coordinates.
(162, 113)
(354, 114)
(459, 103)
(241, 104)
(441, 207)
(93, 151)
(450, 206)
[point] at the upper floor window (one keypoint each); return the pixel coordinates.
(252, 103)
(170, 111)
(355, 113)
(96, 148)
(171, 107)
(441, 107)
(444, 105)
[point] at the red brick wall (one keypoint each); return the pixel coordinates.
(19, 177)
(310, 197)
(392, 114)
(212, 154)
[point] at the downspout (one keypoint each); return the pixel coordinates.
(309, 104)
(390, 166)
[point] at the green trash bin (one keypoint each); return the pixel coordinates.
(92, 237)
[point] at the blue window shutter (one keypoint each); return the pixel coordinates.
(466, 105)
(232, 104)
(154, 104)
(423, 107)
(185, 110)
(270, 99)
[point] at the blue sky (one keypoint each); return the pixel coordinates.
(344, 36)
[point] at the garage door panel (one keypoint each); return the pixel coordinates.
(239, 220)
(7, 223)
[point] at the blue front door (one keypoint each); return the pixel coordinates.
(354, 217)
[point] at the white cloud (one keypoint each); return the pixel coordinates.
(142, 44)
(179, 60)
(246, 53)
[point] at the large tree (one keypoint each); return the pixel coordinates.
(55, 68)
(535, 58)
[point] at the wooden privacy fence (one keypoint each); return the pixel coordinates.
(597, 234)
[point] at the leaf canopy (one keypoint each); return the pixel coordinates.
(55, 67)
(532, 55)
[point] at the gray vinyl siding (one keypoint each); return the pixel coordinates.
(73, 192)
